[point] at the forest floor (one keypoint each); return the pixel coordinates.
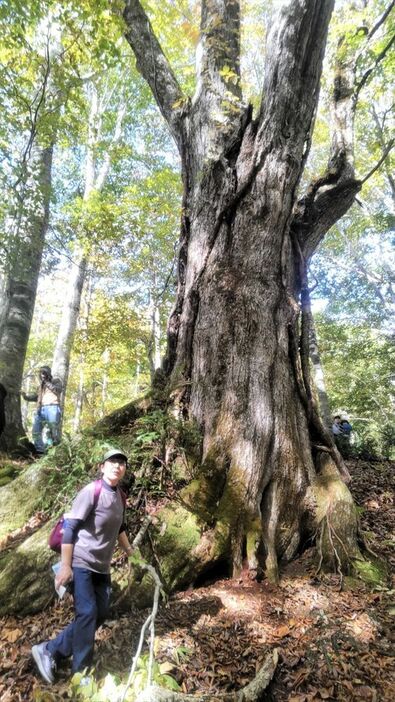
(333, 644)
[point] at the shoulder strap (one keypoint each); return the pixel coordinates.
(97, 491)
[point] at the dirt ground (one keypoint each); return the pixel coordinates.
(333, 644)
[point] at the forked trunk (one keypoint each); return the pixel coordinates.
(238, 354)
(238, 338)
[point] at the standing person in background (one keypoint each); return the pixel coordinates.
(48, 408)
(336, 428)
(91, 531)
(345, 437)
(346, 427)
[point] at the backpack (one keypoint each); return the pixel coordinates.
(56, 535)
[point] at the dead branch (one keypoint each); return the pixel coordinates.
(149, 622)
(250, 693)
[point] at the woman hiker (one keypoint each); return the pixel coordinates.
(92, 529)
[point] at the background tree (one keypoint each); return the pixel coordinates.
(129, 229)
(40, 94)
(95, 174)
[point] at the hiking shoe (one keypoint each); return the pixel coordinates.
(45, 662)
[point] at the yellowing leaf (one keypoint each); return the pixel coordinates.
(12, 635)
(166, 667)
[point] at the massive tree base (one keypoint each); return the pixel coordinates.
(191, 536)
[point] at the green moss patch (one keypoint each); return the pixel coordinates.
(175, 538)
(372, 571)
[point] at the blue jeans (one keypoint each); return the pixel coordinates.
(47, 414)
(91, 605)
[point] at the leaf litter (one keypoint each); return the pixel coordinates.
(333, 645)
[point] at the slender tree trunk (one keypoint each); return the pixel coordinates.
(137, 379)
(79, 400)
(93, 181)
(154, 346)
(319, 377)
(21, 287)
(68, 324)
(104, 390)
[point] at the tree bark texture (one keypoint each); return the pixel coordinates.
(238, 342)
(21, 287)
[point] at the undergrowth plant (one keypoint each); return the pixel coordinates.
(160, 448)
(111, 689)
(157, 442)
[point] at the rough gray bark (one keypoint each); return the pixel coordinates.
(21, 287)
(239, 278)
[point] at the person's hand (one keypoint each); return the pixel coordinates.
(64, 575)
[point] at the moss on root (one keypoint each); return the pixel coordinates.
(372, 571)
(336, 520)
(174, 540)
(26, 579)
(20, 498)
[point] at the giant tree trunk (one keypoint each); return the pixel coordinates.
(237, 360)
(21, 287)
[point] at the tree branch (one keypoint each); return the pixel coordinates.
(218, 57)
(252, 692)
(320, 209)
(328, 198)
(300, 32)
(381, 19)
(380, 136)
(386, 151)
(154, 66)
(370, 70)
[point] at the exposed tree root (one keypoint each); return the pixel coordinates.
(327, 528)
(123, 417)
(250, 693)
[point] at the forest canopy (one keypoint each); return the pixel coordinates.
(55, 61)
